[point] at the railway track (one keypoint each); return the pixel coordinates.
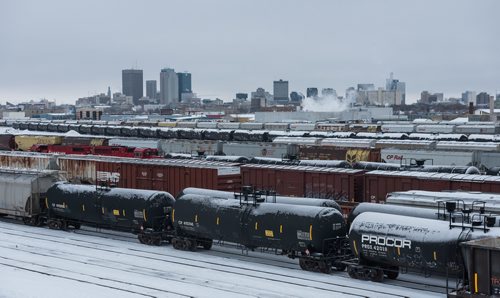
(317, 282)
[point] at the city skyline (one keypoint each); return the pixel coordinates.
(63, 51)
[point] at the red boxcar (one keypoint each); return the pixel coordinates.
(301, 181)
(379, 183)
(166, 175)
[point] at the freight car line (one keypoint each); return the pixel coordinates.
(259, 275)
(81, 280)
(281, 262)
(181, 279)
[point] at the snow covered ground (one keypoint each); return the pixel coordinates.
(38, 262)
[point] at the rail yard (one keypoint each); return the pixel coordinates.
(403, 205)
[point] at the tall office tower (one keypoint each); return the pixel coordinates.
(468, 97)
(280, 91)
(151, 89)
(184, 83)
(169, 86)
(312, 92)
(329, 92)
(483, 100)
(132, 84)
(399, 89)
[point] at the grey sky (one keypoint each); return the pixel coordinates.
(68, 49)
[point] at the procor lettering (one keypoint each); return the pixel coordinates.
(386, 241)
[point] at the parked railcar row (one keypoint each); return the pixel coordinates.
(377, 245)
(391, 126)
(231, 131)
(306, 180)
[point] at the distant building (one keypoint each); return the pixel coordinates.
(312, 92)
(242, 96)
(151, 89)
(483, 100)
(366, 87)
(393, 85)
(329, 92)
(89, 113)
(429, 98)
(132, 83)
(184, 79)
(169, 87)
(468, 97)
(280, 89)
(296, 97)
(259, 99)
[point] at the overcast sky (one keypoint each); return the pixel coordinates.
(64, 49)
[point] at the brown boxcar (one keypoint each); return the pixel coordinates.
(379, 183)
(301, 181)
(7, 142)
(165, 175)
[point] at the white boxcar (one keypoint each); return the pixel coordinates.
(276, 126)
(408, 128)
(138, 143)
(435, 157)
(186, 124)
(349, 143)
(302, 126)
(228, 125)
(435, 128)
(22, 192)
(252, 125)
(206, 124)
(257, 149)
(475, 128)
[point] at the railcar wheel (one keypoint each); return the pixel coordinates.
(352, 272)
(77, 225)
(376, 275)
(141, 238)
(191, 245)
(340, 267)
(324, 267)
(176, 243)
(54, 224)
(156, 240)
(207, 244)
(303, 264)
(393, 273)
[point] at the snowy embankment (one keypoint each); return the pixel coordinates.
(38, 262)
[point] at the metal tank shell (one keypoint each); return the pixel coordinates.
(388, 241)
(118, 208)
(269, 199)
(392, 209)
(280, 226)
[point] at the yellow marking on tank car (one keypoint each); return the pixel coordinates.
(102, 209)
(256, 225)
(269, 233)
(399, 252)
(435, 256)
(173, 215)
(196, 218)
(83, 207)
(116, 212)
(218, 220)
(144, 215)
(476, 289)
(123, 212)
(355, 247)
(281, 228)
(47, 202)
(310, 232)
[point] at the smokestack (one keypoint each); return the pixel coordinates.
(471, 108)
(492, 109)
